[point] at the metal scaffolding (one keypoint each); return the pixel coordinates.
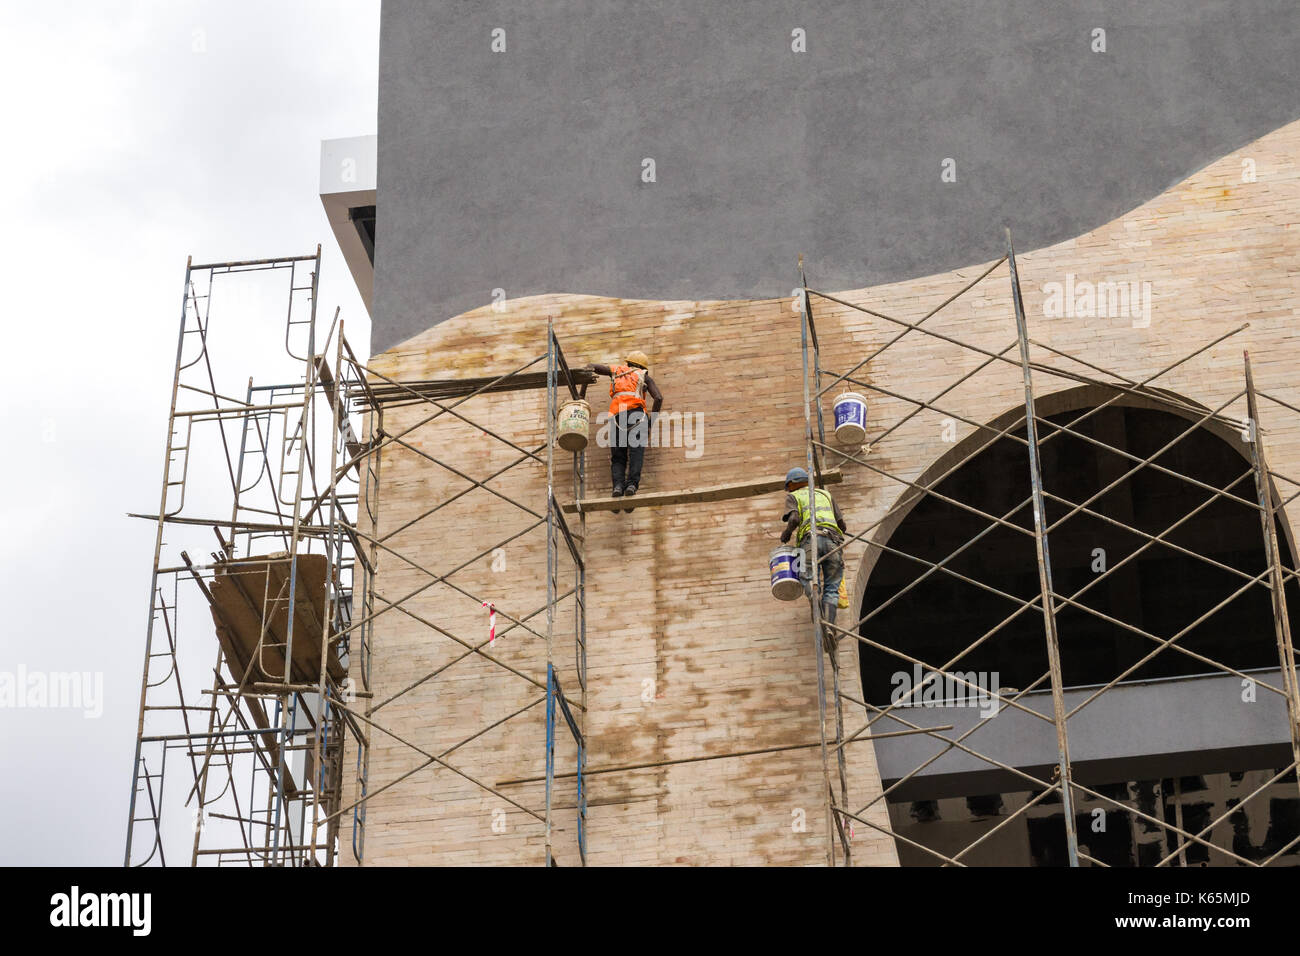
(291, 589)
(260, 728)
(379, 392)
(1050, 602)
(290, 691)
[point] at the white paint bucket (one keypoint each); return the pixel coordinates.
(784, 567)
(850, 419)
(572, 425)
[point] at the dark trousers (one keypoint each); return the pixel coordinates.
(629, 434)
(832, 571)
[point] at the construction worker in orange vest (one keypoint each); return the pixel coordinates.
(629, 433)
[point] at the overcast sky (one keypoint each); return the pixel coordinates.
(135, 134)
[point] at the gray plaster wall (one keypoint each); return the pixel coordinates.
(522, 170)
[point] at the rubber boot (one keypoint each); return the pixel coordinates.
(829, 638)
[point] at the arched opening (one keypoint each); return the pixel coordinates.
(1199, 499)
(1162, 590)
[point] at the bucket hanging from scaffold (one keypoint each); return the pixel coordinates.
(572, 425)
(850, 418)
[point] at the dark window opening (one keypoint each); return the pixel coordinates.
(363, 218)
(1254, 830)
(1161, 591)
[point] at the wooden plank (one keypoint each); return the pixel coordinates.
(350, 442)
(245, 592)
(442, 389)
(660, 499)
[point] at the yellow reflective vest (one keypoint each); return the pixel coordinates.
(825, 512)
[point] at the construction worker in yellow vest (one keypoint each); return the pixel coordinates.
(798, 517)
(629, 433)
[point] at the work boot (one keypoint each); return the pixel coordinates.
(830, 641)
(828, 610)
(617, 492)
(830, 638)
(628, 492)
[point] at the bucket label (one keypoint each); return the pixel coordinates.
(850, 412)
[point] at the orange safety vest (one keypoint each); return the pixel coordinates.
(627, 389)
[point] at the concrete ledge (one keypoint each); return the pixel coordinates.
(1143, 730)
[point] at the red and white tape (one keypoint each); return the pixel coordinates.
(492, 623)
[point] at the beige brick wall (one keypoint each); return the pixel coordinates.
(678, 596)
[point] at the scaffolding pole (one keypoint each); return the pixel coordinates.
(1277, 582)
(811, 566)
(1048, 592)
(824, 644)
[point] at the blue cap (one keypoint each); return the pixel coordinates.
(795, 474)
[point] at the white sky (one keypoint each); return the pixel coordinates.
(134, 134)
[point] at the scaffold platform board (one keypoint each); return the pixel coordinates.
(249, 591)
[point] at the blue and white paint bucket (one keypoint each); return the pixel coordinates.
(784, 565)
(850, 419)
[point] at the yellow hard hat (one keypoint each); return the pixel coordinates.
(637, 357)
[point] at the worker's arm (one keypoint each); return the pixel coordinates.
(653, 389)
(602, 370)
(839, 518)
(790, 517)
